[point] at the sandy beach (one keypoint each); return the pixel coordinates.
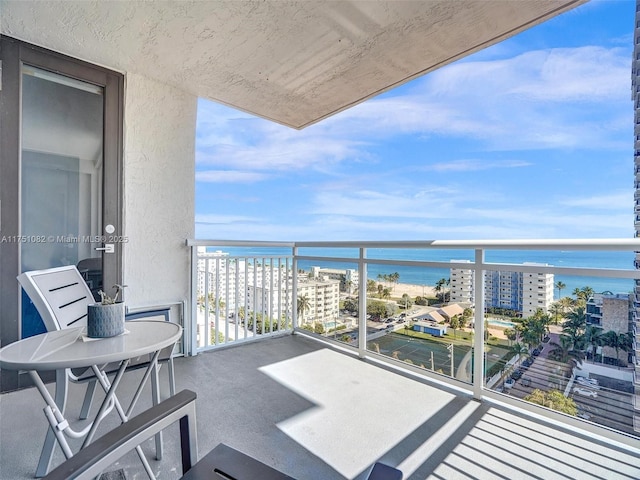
(399, 289)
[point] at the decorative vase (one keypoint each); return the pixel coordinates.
(105, 320)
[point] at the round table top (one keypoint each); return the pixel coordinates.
(71, 348)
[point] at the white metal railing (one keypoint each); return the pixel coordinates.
(253, 294)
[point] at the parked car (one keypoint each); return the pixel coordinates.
(527, 363)
(535, 352)
(586, 392)
(588, 382)
(509, 382)
(516, 375)
(584, 414)
(591, 381)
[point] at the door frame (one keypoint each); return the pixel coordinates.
(13, 53)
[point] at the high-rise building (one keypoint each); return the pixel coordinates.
(230, 283)
(610, 312)
(524, 292)
(635, 95)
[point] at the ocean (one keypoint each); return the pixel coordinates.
(429, 276)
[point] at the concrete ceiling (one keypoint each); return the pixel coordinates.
(293, 62)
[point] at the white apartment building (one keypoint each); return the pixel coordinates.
(324, 299)
(350, 275)
(524, 292)
(265, 288)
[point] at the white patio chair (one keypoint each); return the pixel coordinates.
(61, 297)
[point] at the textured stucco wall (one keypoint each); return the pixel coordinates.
(159, 186)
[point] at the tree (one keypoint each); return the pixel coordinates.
(351, 305)
(519, 349)
(406, 300)
(455, 322)
(553, 399)
(439, 289)
(394, 278)
(575, 324)
(618, 341)
(592, 338)
(303, 306)
(371, 286)
(564, 352)
(349, 285)
(560, 286)
(386, 293)
(376, 308)
(582, 295)
(533, 329)
(557, 310)
(511, 335)
(421, 300)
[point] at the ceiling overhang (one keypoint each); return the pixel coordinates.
(293, 62)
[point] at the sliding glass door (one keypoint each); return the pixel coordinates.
(60, 175)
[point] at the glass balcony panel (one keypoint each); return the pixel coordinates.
(553, 322)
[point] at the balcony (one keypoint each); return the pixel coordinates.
(328, 402)
(315, 412)
(389, 337)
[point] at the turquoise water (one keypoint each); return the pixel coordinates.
(501, 323)
(429, 276)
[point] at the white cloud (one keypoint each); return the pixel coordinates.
(475, 165)
(553, 102)
(222, 219)
(229, 176)
(617, 200)
(547, 99)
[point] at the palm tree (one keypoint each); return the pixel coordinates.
(582, 295)
(575, 324)
(455, 322)
(439, 288)
(519, 349)
(533, 329)
(592, 337)
(394, 278)
(406, 299)
(303, 305)
(386, 293)
(564, 352)
(349, 285)
(560, 286)
(619, 341)
(511, 335)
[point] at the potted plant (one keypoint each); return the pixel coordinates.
(106, 319)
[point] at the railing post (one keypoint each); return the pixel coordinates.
(478, 326)
(294, 294)
(191, 327)
(362, 303)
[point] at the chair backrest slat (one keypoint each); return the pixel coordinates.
(59, 294)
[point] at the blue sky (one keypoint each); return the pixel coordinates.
(531, 138)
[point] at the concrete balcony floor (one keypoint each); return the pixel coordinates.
(316, 413)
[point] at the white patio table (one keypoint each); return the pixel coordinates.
(70, 348)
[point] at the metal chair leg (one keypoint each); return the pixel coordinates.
(155, 394)
(88, 400)
(62, 388)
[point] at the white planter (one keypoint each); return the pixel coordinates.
(105, 320)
